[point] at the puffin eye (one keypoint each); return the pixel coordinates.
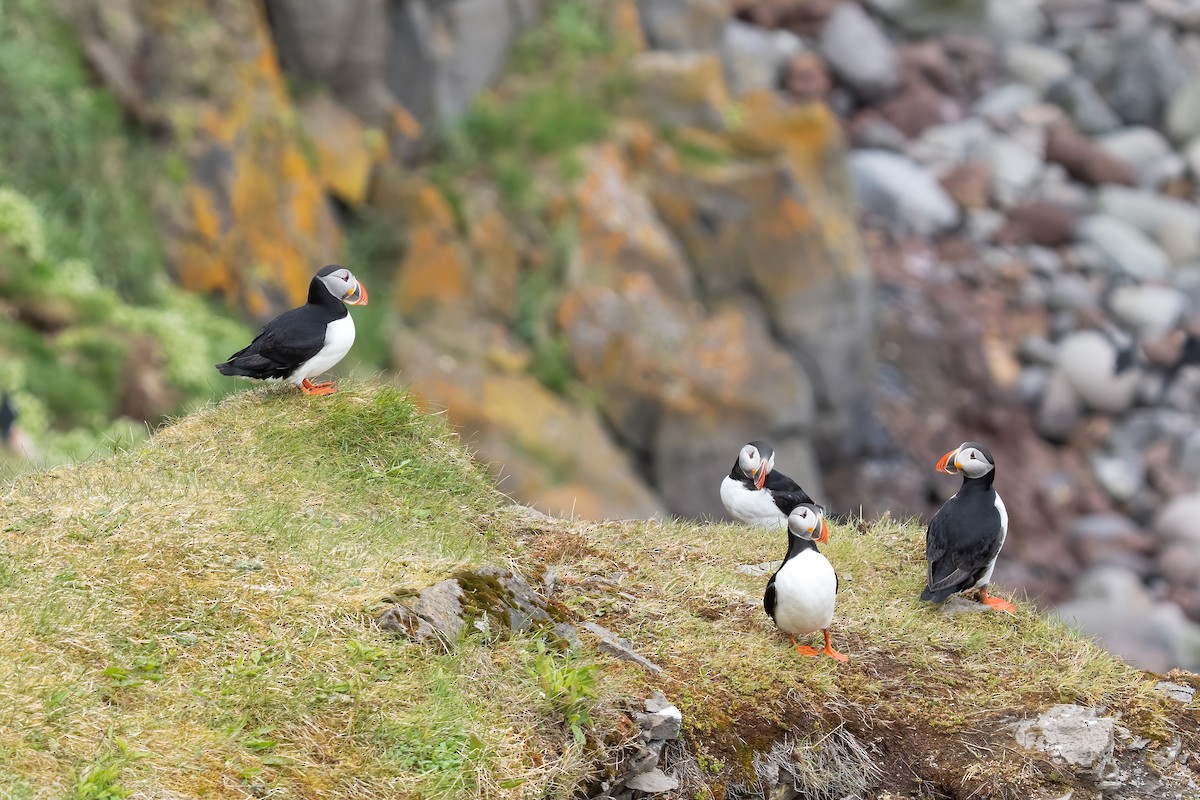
(973, 458)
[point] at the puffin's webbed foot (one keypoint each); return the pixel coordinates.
(829, 651)
(308, 387)
(998, 603)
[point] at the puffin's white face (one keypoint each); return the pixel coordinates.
(807, 522)
(970, 458)
(342, 284)
(751, 462)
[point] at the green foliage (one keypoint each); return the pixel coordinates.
(101, 780)
(21, 225)
(568, 687)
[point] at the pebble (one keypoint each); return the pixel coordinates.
(1036, 66)
(1087, 359)
(1147, 308)
(1127, 250)
(895, 187)
(859, 52)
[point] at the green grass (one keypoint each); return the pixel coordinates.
(195, 617)
(64, 144)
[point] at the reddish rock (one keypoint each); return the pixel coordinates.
(969, 184)
(928, 60)
(1039, 223)
(1084, 160)
(918, 106)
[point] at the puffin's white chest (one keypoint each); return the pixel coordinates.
(339, 338)
(986, 577)
(805, 592)
(751, 506)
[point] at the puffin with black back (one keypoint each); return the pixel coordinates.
(801, 594)
(306, 341)
(755, 493)
(967, 532)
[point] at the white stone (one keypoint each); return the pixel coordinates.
(1087, 359)
(859, 52)
(895, 187)
(1070, 734)
(1035, 66)
(1126, 248)
(1149, 308)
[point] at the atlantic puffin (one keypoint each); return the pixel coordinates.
(801, 594)
(306, 341)
(967, 532)
(754, 493)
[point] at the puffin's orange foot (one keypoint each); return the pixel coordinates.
(805, 650)
(308, 387)
(829, 651)
(998, 603)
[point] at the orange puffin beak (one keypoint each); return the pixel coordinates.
(760, 476)
(946, 463)
(358, 297)
(824, 537)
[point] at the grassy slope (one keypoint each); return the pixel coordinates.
(195, 617)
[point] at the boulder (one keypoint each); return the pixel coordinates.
(1126, 249)
(1076, 95)
(1072, 735)
(1174, 224)
(1086, 161)
(756, 58)
(345, 157)
(894, 187)
(619, 230)
(1148, 70)
(1147, 309)
(1141, 147)
(859, 52)
(1035, 66)
(683, 25)
(1087, 359)
(681, 89)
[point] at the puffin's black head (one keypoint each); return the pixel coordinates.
(342, 284)
(756, 460)
(970, 458)
(807, 522)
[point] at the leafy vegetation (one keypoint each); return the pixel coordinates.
(195, 617)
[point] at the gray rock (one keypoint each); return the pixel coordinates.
(859, 52)
(1077, 96)
(1087, 359)
(1000, 106)
(663, 724)
(1035, 66)
(656, 702)
(754, 56)
(1179, 519)
(1067, 15)
(1126, 249)
(983, 224)
(934, 16)
(665, 92)
(1176, 691)
(1015, 20)
(616, 646)
(1121, 477)
(1034, 349)
(1014, 170)
(1044, 260)
(1173, 223)
(1060, 409)
(1184, 13)
(876, 133)
(1070, 291)
(1192, 157)
(1031, 384)
(1147, 308)
(1149, 70)
(436, 614)
(1189, 457)
(1183, 113)
(653, 782)
(896, 188)
(1140, 147)
(942, 147)
(683, 24)
(1073, 735)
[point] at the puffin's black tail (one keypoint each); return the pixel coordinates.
(938, 596)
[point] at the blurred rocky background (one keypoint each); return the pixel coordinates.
(616, 239)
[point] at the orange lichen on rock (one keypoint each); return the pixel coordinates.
(435, 268)
(344, 153)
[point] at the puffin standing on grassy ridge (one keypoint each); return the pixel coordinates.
(800, 595)
(306, 341)
(967, 532)
(754, 493)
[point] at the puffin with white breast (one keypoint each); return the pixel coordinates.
(801, 594)
(967, 532)
(304, 342)
(754, 493)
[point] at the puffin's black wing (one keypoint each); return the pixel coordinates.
(284, 344)
(786, 493)
(769, 598)
(963, 538)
